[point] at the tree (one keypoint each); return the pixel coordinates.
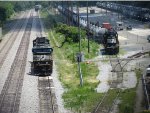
(6, 10)
(23, 5)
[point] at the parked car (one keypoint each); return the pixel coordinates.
(129, 27)
(148, 38)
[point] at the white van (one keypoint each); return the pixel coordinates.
(119, 25)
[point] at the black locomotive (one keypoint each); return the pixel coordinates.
(37, 7)
(42, 56)
(107, 36)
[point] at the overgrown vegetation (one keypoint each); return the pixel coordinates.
(8, 8)
(70, 32)
(65, 48)
(138, 73)
(127, 101)
(65, 41)
(22, 5)
(128, 97)
(68, 70)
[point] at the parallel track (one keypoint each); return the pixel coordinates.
(11, 92)
(104, 105)
(117, 67)
(9, 43)
(46, 95)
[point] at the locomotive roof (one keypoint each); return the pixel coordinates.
(41, 39)
(41, 42)
(41, 46)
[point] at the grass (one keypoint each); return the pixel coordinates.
(69, 76)
(76, 98)
(128, 97)
(127, 101)
(138, 73)
(121, 52)
(11, 20)
(81, 97)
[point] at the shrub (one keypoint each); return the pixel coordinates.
(70, 32)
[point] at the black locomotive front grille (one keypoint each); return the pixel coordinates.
(42, 62)
(43, 67)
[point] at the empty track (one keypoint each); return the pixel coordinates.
(108, 100)
(11, 92)
(9, 43)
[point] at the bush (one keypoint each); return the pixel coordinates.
(6, 10)
(70, 32)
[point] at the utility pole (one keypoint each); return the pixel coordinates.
(106, 8)
(88, 29)
(79, 27)
(79, 36)
(71, 13)
(66, 7)
(68, 13)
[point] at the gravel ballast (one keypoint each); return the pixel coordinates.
(29, 102)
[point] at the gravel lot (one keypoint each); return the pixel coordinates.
(103, 77)
(141, 32)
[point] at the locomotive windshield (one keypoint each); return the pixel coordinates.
(42, 50)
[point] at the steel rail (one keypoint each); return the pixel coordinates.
(11, 92)
(9, 43)
(46, 105)
(97, 109)
(114, 102)
(52, 102)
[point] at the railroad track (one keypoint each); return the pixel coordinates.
(117, 70)
(137, 56)
(108, 100)
(47, 95)
(47, 99)
(9, 43)
(11, 92)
